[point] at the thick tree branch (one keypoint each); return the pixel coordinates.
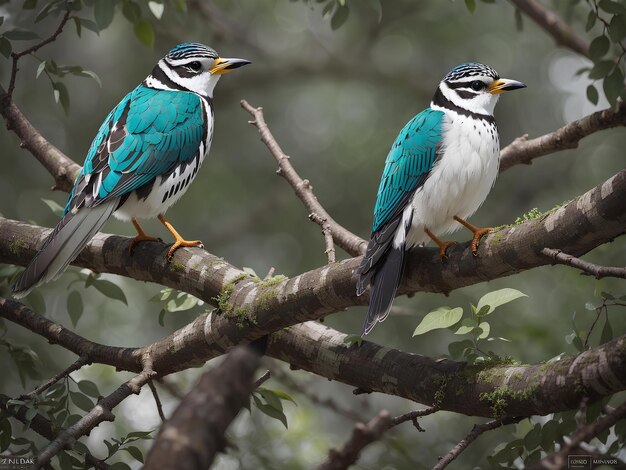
(595, 270)
(351, 243)
(62, 169)
(522, 150)
(562, 33)
(194, 434)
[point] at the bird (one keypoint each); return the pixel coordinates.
(438, 172)
(145, 155)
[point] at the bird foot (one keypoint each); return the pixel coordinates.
(443, 247)
(180, 243)
(141, 238)
(476, 238)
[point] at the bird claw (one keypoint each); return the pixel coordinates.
(443, 248)
(141, 238)
(183, 243)
(476, 238)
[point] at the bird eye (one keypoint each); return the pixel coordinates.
(477, 85)
(195, 66)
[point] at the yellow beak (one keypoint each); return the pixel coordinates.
(504, 84)
(221, 65)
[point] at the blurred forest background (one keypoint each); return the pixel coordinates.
(335, 100)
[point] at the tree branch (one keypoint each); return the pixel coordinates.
(351, 243)
(194, 434)
(595, 270)
(476, 431)
(362, 436)
(562, 33)
(522, 150)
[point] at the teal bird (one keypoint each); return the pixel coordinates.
(144, 157)
(438, 172)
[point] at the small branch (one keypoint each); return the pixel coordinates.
(261, 380)
(362, 436)
(476, 431)
(16, 56)
(522, 150)
(558, 459)
(562, 33)
(194, 434)
(328, 236)
(80, 362)
(592, 269)
(351, 243)
(157, 400)
(412, 416)
(102, 411)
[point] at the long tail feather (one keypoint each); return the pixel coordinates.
(385, 283)
(63, 245)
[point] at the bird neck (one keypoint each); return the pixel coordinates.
(479, 107)
(163, 78)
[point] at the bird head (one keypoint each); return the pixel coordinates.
(473, 87)
(194, 67)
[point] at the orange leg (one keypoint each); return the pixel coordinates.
(141, 237)
(178, 240)
(478, 232)
(443, 246)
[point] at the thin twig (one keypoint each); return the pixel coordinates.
(562, 33)
(476, 431)
(412, 416)
(261, 380)
(590, 268)
(351, 243)
(16, 56)
(363, 435)
(157, 400)
(328, 236)
(524, 151)
(80, 362)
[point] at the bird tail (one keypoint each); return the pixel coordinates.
(63, 245)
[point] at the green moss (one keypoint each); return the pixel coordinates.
(18, 246)
(265, 297)
(500, 399)
(243, 316)
(442, 382)
(272, 281)
(534, 213)
(177, 266)
(223, 298)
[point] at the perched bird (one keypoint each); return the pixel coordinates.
(438, 172)
(144, 157)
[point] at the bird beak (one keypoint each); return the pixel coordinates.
(504, 84)
(221, 65)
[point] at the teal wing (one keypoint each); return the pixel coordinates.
(408, 164)
(146, 135)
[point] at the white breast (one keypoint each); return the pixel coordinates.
(167, 189)
(461, 179)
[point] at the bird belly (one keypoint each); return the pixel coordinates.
(460, 180)
(165, 191)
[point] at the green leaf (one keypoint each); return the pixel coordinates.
(89, 74)
(486, 328)
(74, 307)
(617, 28)
(443, 317)
(119, 466)
(29, 5)
(36, 301)
(180, 304)
(77, 25)
(339, 17)
(5, 47)
(110, 290)
(81, 401)
(591, 20)
(273, 413)
(610, 6)
(496, 298)
(607, 332)
(614, 85)
(140, 434)
(157, 9)
(549, 435)
(145, 33)
(519, 20)
(103, 11)
(61, 95)
(352, 340)
(601, 69)
(135, 452)
(592, 94)
(281, 395)
(20, 35)
(44, 12)
(458, 348)
(90, 25)
(470, 5)
(599, 47)
(40, 70)
(89, 388)
(53, 205)
(270, 398)
(132, 12)
(533, 437)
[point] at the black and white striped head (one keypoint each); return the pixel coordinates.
(191, 67)
(474, 88)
